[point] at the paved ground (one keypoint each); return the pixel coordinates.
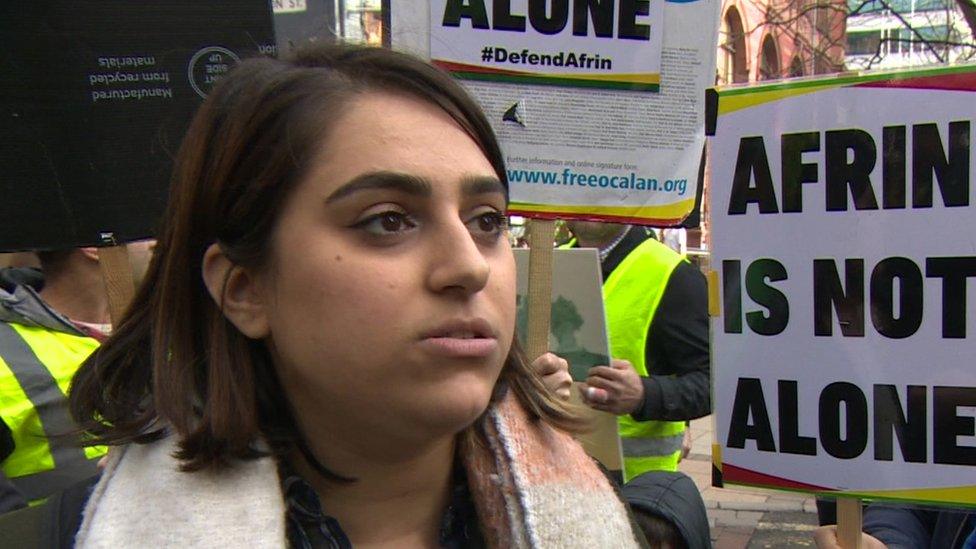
(747, 517)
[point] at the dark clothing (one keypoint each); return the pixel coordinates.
(11, 277)
(903, 527)
(310, 528)
(10, 496)
(677, 342)
(673, 497)
(50, 525)
(6, 441)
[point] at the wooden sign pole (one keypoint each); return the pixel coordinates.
(849, 523)
(117, 274)
(541, 235)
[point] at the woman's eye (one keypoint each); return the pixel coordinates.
(386, 223)
(492, 223)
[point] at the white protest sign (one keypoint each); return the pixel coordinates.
(550, 42)
(574, 150)
(843, 221)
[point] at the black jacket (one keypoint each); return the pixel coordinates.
(904, 527)
(677, 354)
(673, 497)
(50, 525)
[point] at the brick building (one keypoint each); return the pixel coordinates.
(907, 33)
(770, 39)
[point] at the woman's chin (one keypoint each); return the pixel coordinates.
(455, 413)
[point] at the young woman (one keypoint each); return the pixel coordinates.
(322, 354)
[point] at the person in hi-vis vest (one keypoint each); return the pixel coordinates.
(44, 337)
(657, 317)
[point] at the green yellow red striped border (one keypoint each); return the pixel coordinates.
(662, 214)
(650, 82)
(957, 496)
(737, 98)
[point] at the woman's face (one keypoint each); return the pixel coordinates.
(391, 297)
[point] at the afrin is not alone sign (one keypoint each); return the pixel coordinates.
(843, 220)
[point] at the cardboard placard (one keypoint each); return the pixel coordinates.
(96, 96)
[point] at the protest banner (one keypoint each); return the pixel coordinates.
(597, 45)
(842, 215)
(96, 97)
(573, 150)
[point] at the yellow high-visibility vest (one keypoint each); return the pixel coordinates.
(631, 296)
(36, 367)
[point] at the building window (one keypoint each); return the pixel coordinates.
(734, 67)
(900, 6)
(936, 36)
(863, 42)
(769, 60)
(796, 67)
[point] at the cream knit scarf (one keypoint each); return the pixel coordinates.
(533, 486)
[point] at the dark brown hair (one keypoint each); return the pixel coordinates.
(658, 531)
(53, 261)
(175, 362)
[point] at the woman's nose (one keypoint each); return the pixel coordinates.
(457, 262)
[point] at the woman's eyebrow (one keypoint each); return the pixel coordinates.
(414, 185)
(406, 183)
(482, 184)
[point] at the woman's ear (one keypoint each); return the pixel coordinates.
(237, 292)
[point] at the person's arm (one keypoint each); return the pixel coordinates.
(677, 351)
(899, 526)
(887, 527)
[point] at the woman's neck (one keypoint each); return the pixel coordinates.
(396, 501)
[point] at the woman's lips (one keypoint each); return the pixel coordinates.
(460, 347)
(461, 338)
